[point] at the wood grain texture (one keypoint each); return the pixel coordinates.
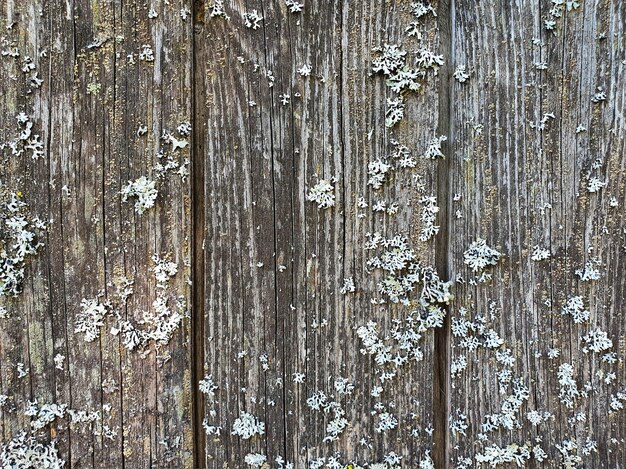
(91, 102)
(507, 173)
(260, 268)
(274, 261)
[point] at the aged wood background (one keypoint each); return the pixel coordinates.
(235, 134)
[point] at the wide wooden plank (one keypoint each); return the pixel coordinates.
(522, 171)
(275, 262)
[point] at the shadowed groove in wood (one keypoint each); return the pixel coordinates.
(197, 248)
(441, 360)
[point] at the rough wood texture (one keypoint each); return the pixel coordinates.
(260, 268)
(275, 262)
(507, 172)
(87, 111)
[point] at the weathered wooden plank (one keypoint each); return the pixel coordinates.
(521, 169)
(592, 230)
(156, 94)
(26, 334)
(275, 262)
(408, 396)
(96, 91)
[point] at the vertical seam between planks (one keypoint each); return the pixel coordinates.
(292, 238)
(441, 395)
(197, 254)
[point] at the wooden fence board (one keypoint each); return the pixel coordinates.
(25, 320)
(275, 262)
(96, 91)
(522, 185)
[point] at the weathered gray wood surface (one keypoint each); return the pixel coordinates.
(275, 262)
(94, 241)
(260, 268)
(507, 173)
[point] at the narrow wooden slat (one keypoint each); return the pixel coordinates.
(156, 395)
(28, 333)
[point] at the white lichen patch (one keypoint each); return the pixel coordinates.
(322, 194)
(164, 270)
(598, 96)
(377, 171)
(386, 421)
(479, 255)
(90, 319)
(144, 190)
(539, 253)
(558, 9)
(433, 149)
(176, 143)
(348, 286)
(208, 387)
(541, 125)
(420, 9)
(25, 142)
(568, 391)
(510, 412)
(395, 111)
(252, 19)
(429, 217)
(156, 325)
(597, 341)
(25, 451)
(146, 54)
(495, 455)
(255, 459)
(20, 236)
(320, 402)
(390, 58)
(402, 156)
(59, 360)
(247, 425)
(217, 9)
(402, 273)
(305, 70)
(458, 423)
(595, 184)
(575, 308)
(401, 76)
(588, 272)
(294, 6)
(461, 74)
